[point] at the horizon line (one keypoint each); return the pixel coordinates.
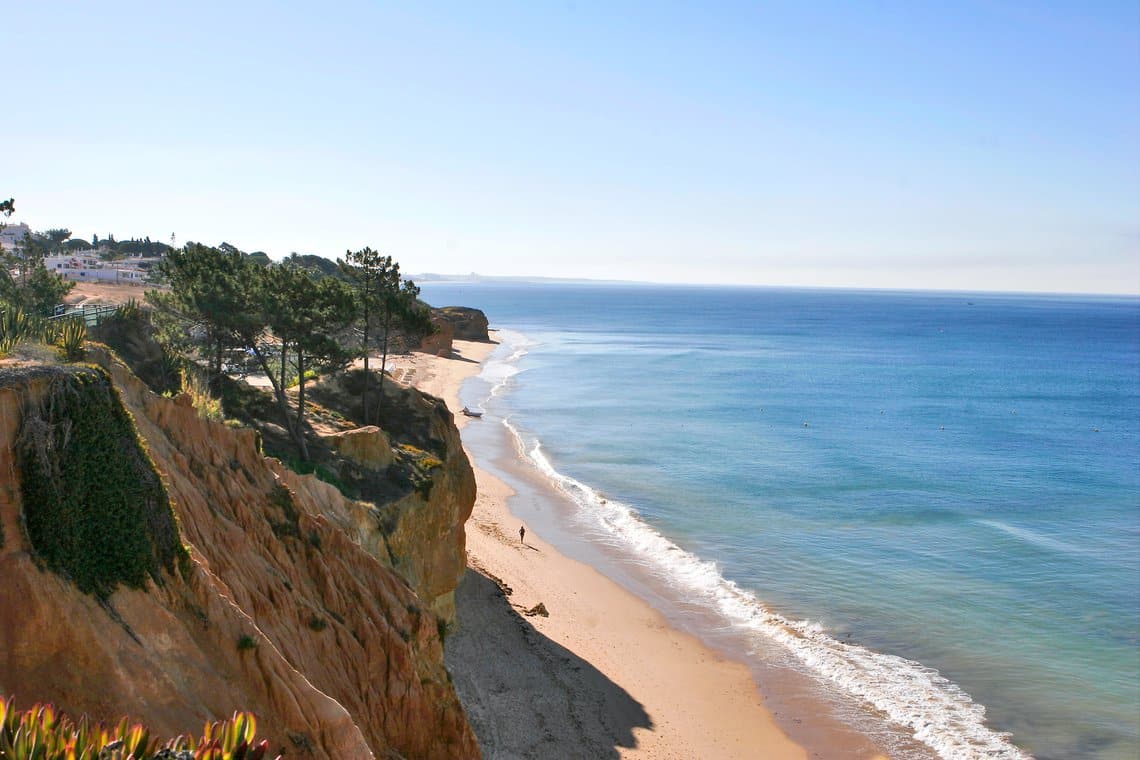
(475, 278)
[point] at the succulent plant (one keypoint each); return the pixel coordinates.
(41, 733)
(16, 325)
(72, 334)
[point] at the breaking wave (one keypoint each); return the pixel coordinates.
(928, 706)
(937, 712)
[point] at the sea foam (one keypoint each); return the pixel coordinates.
(928, 706)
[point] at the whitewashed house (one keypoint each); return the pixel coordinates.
(12, 234)
(88, 269)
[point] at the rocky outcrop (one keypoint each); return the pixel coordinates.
(466, 323)
(430, 487)
(441, 341)
(425, 528)
(366, 446)
(288, 606)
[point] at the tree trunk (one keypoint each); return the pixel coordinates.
(282, 403)
(383, 362)
(300, 388)
(364, 342)
(299, 421)
(284, 364)
(299, 425)
(278, 388)
(214, 382)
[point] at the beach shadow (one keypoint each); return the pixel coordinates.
(458, 357)
(525, 695)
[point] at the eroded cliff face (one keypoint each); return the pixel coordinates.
(426, 537)
(441, 340)
(338, 656)
(421, 519)
(466, 323)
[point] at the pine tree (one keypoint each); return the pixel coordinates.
(305, 314)
(371, 275)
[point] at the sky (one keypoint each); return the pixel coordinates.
(961, 146)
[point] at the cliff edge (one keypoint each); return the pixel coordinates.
(466, 323)
(246, 587)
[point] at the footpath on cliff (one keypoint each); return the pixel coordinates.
(594, 672)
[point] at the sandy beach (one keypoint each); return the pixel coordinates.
(602, 674)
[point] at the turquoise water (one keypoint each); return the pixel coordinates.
(927, 502)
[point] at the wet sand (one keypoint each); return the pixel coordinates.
(601, 674)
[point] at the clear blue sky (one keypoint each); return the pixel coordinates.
(969, 145)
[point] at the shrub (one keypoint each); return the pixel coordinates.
(324, 474)
(282, 498)
(133, 339)
(414, 466)
(246, 642)
(95, 508)
(207, 406)
(131, 311)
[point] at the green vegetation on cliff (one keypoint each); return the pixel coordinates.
(225, 311)
(382, 295)
(95, 508)
(18, 327)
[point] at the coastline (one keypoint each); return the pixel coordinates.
(603, 672)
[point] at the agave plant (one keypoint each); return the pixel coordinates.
(50, 332)
(16, 326)
(131, 311)
(72, 334)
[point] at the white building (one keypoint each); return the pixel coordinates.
(12, 234)
(88, 269)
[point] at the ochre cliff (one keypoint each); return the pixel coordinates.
(441, 340)
(288, 607)
(466, 323)
(426, 537)
(430, 484)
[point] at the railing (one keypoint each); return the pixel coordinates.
(92, 314)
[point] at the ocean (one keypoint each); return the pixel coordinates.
(925, 504)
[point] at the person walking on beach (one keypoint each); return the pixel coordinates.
(522, 535)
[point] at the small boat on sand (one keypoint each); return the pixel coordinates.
(470, 413)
